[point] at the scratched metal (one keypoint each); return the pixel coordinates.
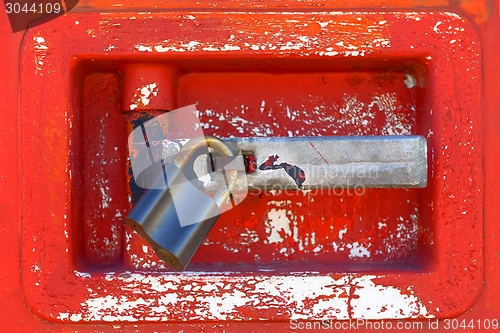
(375, 161)
(329, 162)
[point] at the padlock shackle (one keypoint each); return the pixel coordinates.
(222, 148)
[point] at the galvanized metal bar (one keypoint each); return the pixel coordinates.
(332, 162)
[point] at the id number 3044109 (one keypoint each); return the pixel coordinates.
(34, 8)
(480, 324)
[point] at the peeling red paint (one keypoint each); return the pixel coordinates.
(297, 174)
(250, 163)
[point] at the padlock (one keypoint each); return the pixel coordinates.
(176, 220)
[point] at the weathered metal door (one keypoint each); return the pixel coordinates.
(75, 87)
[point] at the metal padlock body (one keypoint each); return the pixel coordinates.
(158, 218)
(164, 217)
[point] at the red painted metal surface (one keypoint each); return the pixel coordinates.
(275, 256)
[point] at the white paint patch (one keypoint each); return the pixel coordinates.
(120, 304)
(143, 48)
(280, 203)
(357, 250)
(353, 112)
(40, 43)
(342, 232)
(323, 25)
(410, 81)
(106, 199)
(414, 16)
(172, 46)
(352, 45)
(143, 95)
(277, 225)
(291, 46)
(220, 297)
(191, 45)
(248, 237)
(397, 123)
(76, 317)
(436, 26)
(82, 275)
(388, 302)
(40, 50)
(63, 316)
(230, 48)
(318, 249)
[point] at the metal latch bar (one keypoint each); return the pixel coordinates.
(333, 162)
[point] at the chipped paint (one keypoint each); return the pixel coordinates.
(410, 81)
(397, 123)
(360, 115)
(274, 42)
(357, 250)
(435, 28)
(220, 298)
(40, 50)
(342, 233)
(277, 223)
(143, 95)
(106, 199)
